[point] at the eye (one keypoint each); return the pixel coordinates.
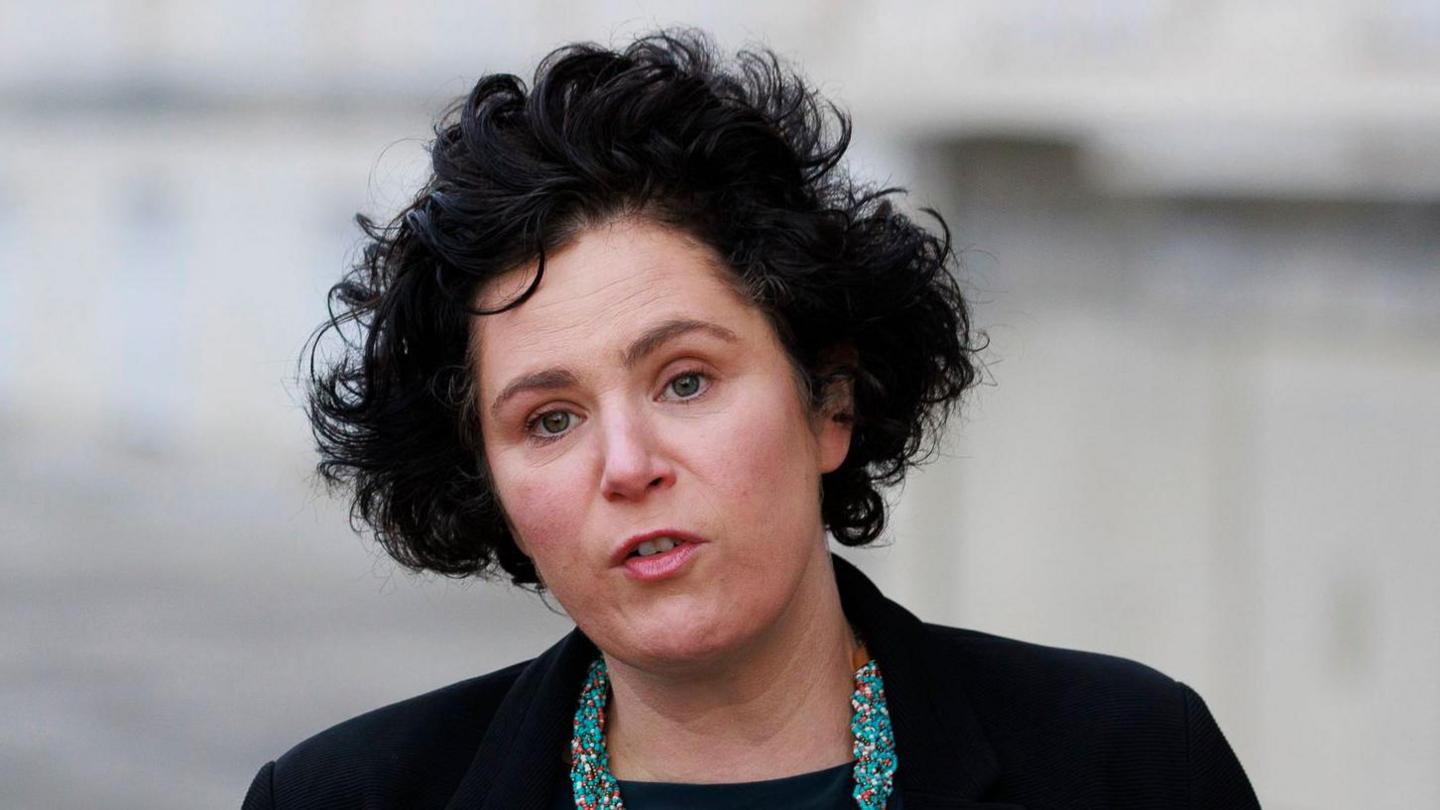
(551, 424)
(688, 385)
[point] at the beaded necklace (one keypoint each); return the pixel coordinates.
(595, 787)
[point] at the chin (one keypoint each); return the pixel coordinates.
(677, 640)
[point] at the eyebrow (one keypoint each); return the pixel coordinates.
(640, 348)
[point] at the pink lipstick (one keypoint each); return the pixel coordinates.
(657, 555)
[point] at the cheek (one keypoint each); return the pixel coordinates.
(543, 506)
(768, 457)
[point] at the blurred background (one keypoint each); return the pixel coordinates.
(1203, 237)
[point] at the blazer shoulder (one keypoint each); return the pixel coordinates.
(997, 662)
(410, 753)
(1140, 737)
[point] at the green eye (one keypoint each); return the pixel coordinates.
(686, 385)
(553, 422)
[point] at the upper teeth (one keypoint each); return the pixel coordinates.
(649, 547)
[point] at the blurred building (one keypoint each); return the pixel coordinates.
(1203, 238)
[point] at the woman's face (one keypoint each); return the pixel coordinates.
(638, 401)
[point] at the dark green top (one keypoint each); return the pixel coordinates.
(819, 790)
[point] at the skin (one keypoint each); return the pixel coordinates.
(739, 667)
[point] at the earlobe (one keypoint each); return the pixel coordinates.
(514, 535)
(835, 435)
(837, 405)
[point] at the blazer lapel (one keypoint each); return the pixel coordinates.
(945, 759)
(520, 760)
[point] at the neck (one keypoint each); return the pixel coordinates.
(777, 708)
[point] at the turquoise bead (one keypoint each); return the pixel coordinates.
(595, 787)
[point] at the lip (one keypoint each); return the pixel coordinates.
(656, 566)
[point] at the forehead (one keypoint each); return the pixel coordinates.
(607, 284)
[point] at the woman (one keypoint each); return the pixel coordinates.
(641, 343)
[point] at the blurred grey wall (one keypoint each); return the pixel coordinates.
(1203, 237)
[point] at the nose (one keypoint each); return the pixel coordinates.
(633, 465)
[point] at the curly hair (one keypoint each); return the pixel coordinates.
(739, 154)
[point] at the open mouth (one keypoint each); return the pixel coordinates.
(661, 556)
(658, 554)
(659, 545)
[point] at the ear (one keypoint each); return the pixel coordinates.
(836, 415)
(514, 535)
(489, 479)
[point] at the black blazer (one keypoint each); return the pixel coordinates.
(980, 722)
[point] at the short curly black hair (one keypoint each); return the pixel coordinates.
(740, 154)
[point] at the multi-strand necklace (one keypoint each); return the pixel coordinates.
(595, 787)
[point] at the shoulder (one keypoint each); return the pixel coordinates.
(1137, 735)
(411, 753)
(1014, 674)
(1014, 684)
